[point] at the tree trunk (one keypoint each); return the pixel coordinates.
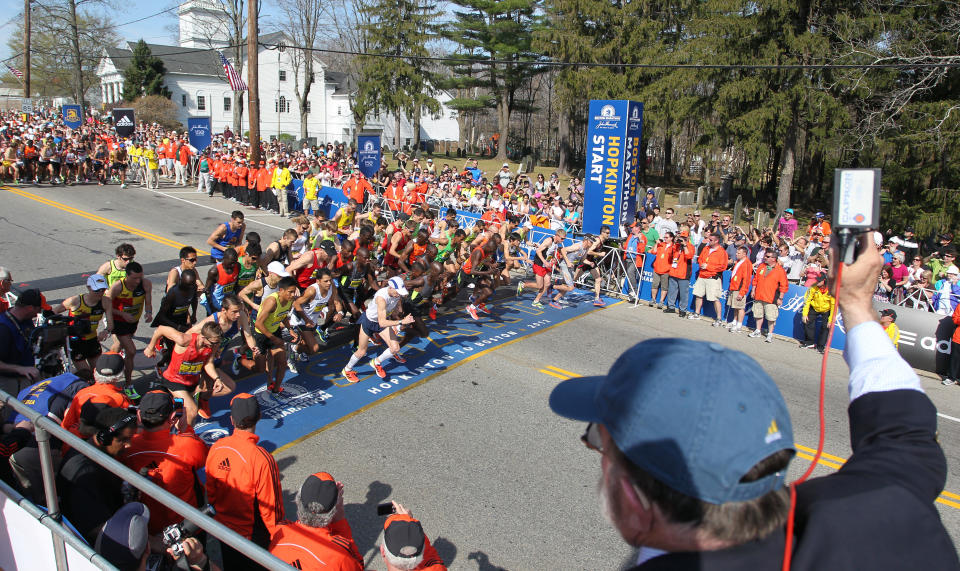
(75, 42)
(667, 156)
(563, 134)
(503, 123)
(788, 163)
(396, 136)
(238, 95)
(416, 128)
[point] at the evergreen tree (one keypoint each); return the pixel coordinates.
(144, 74)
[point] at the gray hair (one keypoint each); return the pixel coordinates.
(899, 255)
(4, 273)
(111, 379)
(311, 516)
(398, 561)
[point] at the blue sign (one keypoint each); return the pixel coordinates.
(613, 163)
(72, 116)
(368, 155)
(199, 132)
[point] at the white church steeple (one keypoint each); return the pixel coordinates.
(203, 24)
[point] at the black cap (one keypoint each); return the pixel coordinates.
(110, 364)
(244, 407)
(30, 297)
(403, 536)
(908, 229)
(156, 406)
(123, 539)
(90, 410)
(888, 313)
(319, 488)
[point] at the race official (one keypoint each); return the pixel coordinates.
(405, 547)
(321, 537)
(16, 359)
(769, 286)
(172, 459)
(692, 495)
(107, 389)
(243, 482)
(712, 261)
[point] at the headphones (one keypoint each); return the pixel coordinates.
(105, 436)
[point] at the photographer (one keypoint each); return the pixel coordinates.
(16, 358)
(404, 546)
(321, 537)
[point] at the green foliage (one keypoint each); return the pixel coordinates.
(144, 74)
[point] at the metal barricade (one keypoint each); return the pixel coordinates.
(46, 427)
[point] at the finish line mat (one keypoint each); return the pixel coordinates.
(318, 395)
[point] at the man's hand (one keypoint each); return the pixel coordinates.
(31, 373)
(858, 282)
(407, 320)
(103, 334)
(804, 318)
(399, 509)
(150, 351)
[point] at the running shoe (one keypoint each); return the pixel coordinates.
(322, 335)
(755, 334)
(482, 308)
(537, 304)
(472, 299)
(556, 305)
(399, 358)
(599, 303)
(520, 289)
(694, 316)
(235, 366)
(769, 338)
(433, 312)
(378, 368)
(203, 409)
(473, 312)
(717, 323)
(131, 393)
(350, 375)
(275, 388)
(302, 357)
(292, 363)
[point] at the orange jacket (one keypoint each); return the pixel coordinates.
(107, 393)
(173, 460)
(663, 259)
(232, 175)
(316, 548)
(393, 194)
(252, 178)
(768, 281)
(241, 175)
(740, 277)
(680, 266)
(956, 320)
(243, 482)
(712, 262)
(355, 189)
(265, 179)
(184, 155)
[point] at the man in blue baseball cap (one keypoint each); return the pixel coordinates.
(694, 465)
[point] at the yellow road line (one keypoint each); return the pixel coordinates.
(561, 371)
(825, 459)
(552, 374)
(427, 378)
(100, 219)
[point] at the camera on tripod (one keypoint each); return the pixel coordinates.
(174, 534)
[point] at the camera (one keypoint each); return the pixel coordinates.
(175, 533)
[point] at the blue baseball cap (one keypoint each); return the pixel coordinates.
(697, 431)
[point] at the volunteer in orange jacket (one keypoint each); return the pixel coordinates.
(404, 545)
(357, 187)
(769, 287)
(663, 257)
(264, 180)
(243, 482)
(108, 389)
(678, 289)
(740, 279)
(713, 261)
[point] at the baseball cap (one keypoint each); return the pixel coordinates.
(821, 277)
(396, 283)
(123, 539)
(946, 236)
(788, 210)
(277, 268)
(110, 364)
(888, 313)
(818, 215)
(321, 489)
(698, 434)
(908, 229)
(30, 297)
(649, 191)
(403, 536)
(506, 164)
(156, 406)
(97, 282)
(90, 410)
(953, 270)
(244, 407)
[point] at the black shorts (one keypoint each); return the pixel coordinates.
(371, 328)
(81, 349)
(586, 266)
(172, 386)
(464, 279)
(124, 328)
(264, 343)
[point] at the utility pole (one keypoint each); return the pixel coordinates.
(253, 80)
(26, 48)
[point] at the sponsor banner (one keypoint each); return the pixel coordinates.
(613, 141)
(368, 155)
(318, 396)
(198, 129)
(73, 116)
(124, 122)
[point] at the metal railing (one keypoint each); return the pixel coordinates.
(46, 427)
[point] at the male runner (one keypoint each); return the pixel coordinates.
(317, 309)
(228, 234)
(188, 261)
(589, 263)
(478, 270)
(87, 311)
(115, 269)
(178, 310)
(275, 312)
(279, 250)
(567, 257)
(192, 354)
(344, 219)
(221, 280)
(130, 299)
(379, 319)
(543, 264)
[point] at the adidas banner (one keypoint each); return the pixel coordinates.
(124, 122)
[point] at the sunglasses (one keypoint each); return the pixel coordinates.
(126, 259)
(194, 260)
(591, 438)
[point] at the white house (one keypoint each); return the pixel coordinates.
(199, 88)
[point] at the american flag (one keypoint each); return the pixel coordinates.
(236, 82)
(15, 71)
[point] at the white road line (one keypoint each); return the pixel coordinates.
(948, 417)
(170, 195)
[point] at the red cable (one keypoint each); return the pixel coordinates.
(788, 544)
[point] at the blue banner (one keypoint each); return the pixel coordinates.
(198, 129)
(72, 116)
(613, 143)
(368, 155)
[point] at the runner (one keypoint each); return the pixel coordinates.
(414, 250)
(221, 280)
(394, 246)
(192, 354)
(313, 314)
(262, 287)
(344, 219)
(588, 263)
(279, 250)
(87, 311)
(565, 258)
(228, 234)
(379, 320)
(115, 269)
(478, 270)
(188, 261)
(274, 313)
(357, 282)
(130, 298)
(305, 267)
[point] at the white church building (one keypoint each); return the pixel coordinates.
(199, 87)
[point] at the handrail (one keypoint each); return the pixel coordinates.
(215, 528)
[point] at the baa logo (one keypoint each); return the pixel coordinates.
(608, 118)
(607, 111)
(72, 115)
(368, 147)
(635, 114)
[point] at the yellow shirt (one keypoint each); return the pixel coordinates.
(151, 156)
(281, 178)
(893, 332)
(310, 186)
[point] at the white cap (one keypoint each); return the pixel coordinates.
(97, 282)
(277, 268)
(506, 164)
(396, 283)
(878, 238)
(953, 270)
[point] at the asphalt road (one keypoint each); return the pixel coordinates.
(498, 481)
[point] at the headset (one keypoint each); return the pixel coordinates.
(105, 436)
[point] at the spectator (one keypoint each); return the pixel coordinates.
(649, 202)
(16, 356)
(663, 259)
(940, 261)
(818, 226)
(888, 318)
(793, 260)
(818, 306)
(243, 483)
(769, 287)
(954, 377)
(6, 280)
(108, 389)
(679, 285)
(889, 252)
(404, 546)
(947, 292)
(651, 234)
(739, 287)
(815, 266)
(885, 284)
(712, 261)
(666, 223)
(321, 537)
(908, 244)
(123, 541)
(690, 496)
(900, 274)
(945, 241)
(787, 225)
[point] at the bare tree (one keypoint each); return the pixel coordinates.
(304, 16)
